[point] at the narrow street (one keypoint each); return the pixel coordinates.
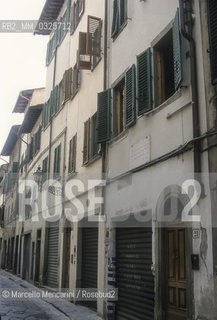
(43, 309)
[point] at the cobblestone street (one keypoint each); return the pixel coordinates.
(37, 308)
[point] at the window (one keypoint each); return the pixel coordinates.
(89, 43)
(72, 154)
(77, 11)
(44, 169)
(119, 16)
(90, 149)
(165, 87)
(61, 94)
(124, 104)
(57, 159)
(212, 17)
(119, 108)
(168, 64)
(75, 80)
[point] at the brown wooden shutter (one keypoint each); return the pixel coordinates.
(94, 27)
(72, 153)
(68, 80)
(86, 141)
(74, 148)
(83, 59)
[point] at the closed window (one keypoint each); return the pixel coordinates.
(75, 80)
(57, 160)
(45, 169)
(90, 148)
(119, 16)
(212, 18)
(77, 11)
(72, 154)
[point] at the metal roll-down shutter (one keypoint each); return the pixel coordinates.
(134, 278)
(52, 257)
(89, 260)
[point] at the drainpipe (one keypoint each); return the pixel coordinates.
(104, 146)
(186, 30)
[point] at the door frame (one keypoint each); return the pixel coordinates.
(159, 251)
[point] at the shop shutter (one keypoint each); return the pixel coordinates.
(134, 278)
(177, 54)
(144, 82)
(212, 18)
(89, 260)
(104, 116)
(52, 257)
(130, 97)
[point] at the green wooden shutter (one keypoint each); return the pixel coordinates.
(144, 82)
(64, 88)
(48, 54)
(58, 158)
(115, 19)
(68, 12)
(43, 116)
(212, 17)
(130, 97)
(51, 104)
(104, 116)
(177, 55)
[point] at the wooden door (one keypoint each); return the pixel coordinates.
(67, 256)
(175, 274)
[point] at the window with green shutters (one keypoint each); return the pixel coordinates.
(119, 18)
(72, 154)
(77, 10)
(144, 82)
(57, 160)
(75, 80)
(44, 169)
(130, 97)
(168, 63)
(212, 18)
(177, 54)
(90, 147)
(104, 116)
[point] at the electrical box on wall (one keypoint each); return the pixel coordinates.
(195, 261)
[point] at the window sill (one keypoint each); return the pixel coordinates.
(92, 160)
(71, 175)
(74, 94)
(119, 31)
(94, 67)
(170, 100)
(121, 136)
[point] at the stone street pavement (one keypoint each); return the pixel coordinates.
(42, 309)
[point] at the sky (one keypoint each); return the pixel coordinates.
(22, 61)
